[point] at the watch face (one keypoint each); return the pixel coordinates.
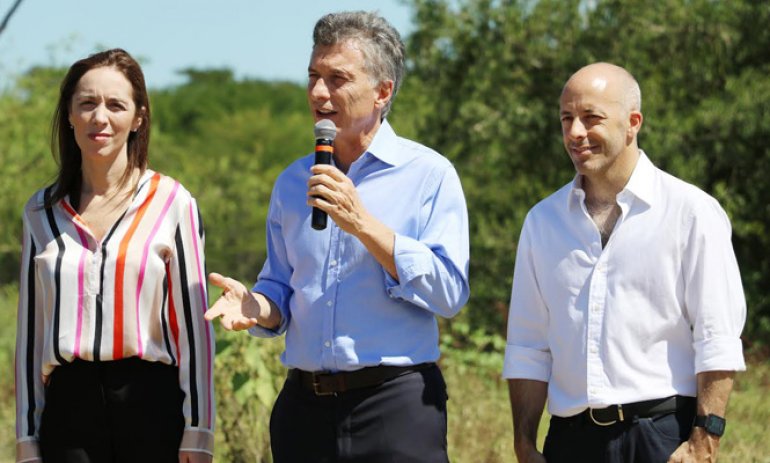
(715, 425)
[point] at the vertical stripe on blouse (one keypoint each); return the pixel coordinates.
(57, 278)
(203, 296)
(30, 348)
(100, 297)
(189, 326)
(164, 319)
(81, 276)
(145, 252)
(120, 267)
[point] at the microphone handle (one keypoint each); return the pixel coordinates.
(323, 155)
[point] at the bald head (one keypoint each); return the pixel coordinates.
(600, 120)
(612, 81)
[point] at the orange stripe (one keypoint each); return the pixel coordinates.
(327, 148)
(120, 269)
(73, 213)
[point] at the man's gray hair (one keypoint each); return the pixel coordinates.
(380, 44)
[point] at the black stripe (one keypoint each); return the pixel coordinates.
(100, 296)
(56, 277)
(185, 291)
(164, 313)
(200, 222)
(31, 339)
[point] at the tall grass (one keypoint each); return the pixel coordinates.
(480, 429)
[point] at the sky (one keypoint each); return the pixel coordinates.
(255, 38)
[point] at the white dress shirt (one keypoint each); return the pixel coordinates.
(636, 320)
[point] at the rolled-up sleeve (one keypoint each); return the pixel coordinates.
(714, 298)
(273, 280)
(527, 354)
(433, 268)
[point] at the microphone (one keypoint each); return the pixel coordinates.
(324, 132)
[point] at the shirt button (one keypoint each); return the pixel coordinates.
(328, 303)
(594, 349)
(328, 344)
(332, 263)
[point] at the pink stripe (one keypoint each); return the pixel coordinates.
(143, 266)
(204, 304)
(81, 284)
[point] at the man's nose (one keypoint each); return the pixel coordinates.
(577, 130)
(319, 90)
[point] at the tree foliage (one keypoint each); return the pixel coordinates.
(483, 84)
(483, 88)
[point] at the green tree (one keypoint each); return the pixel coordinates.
(485, 77)
(25, 156)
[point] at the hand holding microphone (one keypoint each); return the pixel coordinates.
(324, 132)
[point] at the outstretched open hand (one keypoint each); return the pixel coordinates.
(236, 305)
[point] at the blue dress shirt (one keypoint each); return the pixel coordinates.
(340, 308)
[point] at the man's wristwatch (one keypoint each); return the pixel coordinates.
(714, 425)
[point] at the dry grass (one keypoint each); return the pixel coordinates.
(480, 429)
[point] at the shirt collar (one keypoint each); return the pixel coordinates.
(642, 181)
(384, 146)
(640, 185)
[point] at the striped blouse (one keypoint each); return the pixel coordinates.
(139, 292)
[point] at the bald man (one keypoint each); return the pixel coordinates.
(627, 305)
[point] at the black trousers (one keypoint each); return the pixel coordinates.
(400, 421)
(112, 412)
(639, 440)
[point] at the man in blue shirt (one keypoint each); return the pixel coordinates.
(358, 300)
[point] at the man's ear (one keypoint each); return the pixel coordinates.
(635, 120)
(384, 93)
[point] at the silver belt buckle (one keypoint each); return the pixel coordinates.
(607, 423)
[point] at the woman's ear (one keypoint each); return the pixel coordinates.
(138, 119)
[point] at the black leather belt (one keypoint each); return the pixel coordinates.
(325, 383)
(625, 412)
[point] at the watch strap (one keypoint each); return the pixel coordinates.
(713, 424)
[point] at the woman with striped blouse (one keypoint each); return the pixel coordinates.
(113, 356)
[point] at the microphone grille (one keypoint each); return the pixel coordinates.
(325, 129)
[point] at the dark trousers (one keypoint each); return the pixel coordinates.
(108, 412)
(638, 440)
(400, 421)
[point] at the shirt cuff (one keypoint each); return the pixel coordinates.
(526, 363)
(262, 332)
(411, 262)
(197, 440)
(719, 354)
(274, 294)
(27, 450)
